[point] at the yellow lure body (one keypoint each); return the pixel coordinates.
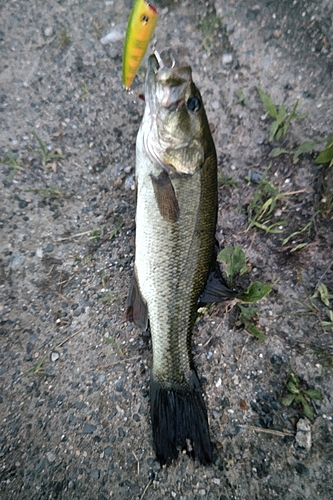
(140, 28)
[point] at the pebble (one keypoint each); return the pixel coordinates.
(227, 58)
(49, 248)
(108, 451)
(50, 456)
(16, 261)
(48, 31)
(303, 434)
(88, 428)
(94, 474)
(114, 35)
(54, 356)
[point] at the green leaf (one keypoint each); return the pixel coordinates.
(329, 142)
(279, 151)
(293, 113)
(287, 400)
(281, 114)
(305, 147)
(235, 259)
(292, 387)
(325, 295)
(298, 247)
(256, 291)
(256, 332)
(308, 410)
(325, 156)
(314, 394)
(246, 314)
(273, 130)
(269, 105)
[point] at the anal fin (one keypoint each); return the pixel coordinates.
(216, 289)
(136, 307)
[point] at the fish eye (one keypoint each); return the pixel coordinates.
(193, 103)
(144, 19)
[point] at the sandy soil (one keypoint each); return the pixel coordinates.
(74, 376)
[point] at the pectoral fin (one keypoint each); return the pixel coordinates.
(216, 289)
(165, 196)
(136, 307)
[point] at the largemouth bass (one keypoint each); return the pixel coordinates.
(176, 175)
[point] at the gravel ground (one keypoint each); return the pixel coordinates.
(74, 376)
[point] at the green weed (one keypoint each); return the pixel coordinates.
(84, 89)
(299, 235)
(13, 162)
(281, 120)
(326, 156)
(226, 181)
(208, 26)
(299, 394)
(37, 368)
(115, 231)
(45, 193)
(235, 262)
(305, 147)
(241, 98)
(97, 233)
(45, 155)
(235, 266)
(323, 293)
(114, 343)
(64, 39)
(107, 298)
(262, 207)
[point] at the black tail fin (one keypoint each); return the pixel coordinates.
(179, 420)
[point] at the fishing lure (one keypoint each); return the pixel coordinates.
(139, 31)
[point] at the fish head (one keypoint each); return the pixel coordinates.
(174, 125)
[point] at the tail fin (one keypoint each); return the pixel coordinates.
(179, 420)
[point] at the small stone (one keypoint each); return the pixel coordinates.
(48, 31)
(88, 428)
(49, 248)
(54, 356)
(94, 474)
(303, 434)
(108, 451)
(227, 58)
(16, 261)
(50, 456)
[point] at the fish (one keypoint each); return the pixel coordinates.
(140, 29)
(175, 253)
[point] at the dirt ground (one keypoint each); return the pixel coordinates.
(74, 376)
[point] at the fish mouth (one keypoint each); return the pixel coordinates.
(170, 83)
(165, 92)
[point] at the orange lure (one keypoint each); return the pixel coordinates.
(139, 31)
